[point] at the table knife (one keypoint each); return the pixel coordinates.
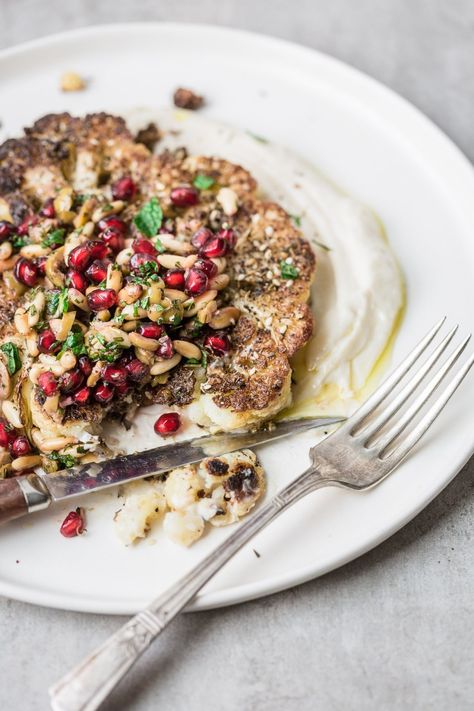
(36, 491)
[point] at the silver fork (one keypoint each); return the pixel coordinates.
(363, 451)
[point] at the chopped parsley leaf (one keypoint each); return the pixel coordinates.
(19, 242)
(54, 239)
(296, 219)
(12, 357)
(322, 246)
(258, 138)
(65, 461)
(150, 217)
(75, 343)
(159, 245)
(288, 271)
(203, 182)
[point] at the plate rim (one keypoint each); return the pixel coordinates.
(431, 133)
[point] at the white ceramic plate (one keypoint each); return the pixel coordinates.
(369, 141)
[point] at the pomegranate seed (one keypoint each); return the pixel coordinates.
(48, 209)
(71, 381)
(100, 299)
(113, 374)
(167, 424)
(174, 279)
(85, 365)
(103, 393)
(184, 196)
(74, 523)
(113, 222)
(150, 330)
(229, 236)
(47, 342)
(7, 435)
(137, 370)
(113, 239)
(196, 282)
(47, 383)
(40, 264)
(165, 349)
(20, 446)
(6, 230)
(122, 388)
(29, 221)
(80, 257)
(141, 245)
(201, 237)
(216, 247)
(26, 272)
(206, 266)
(82, 396)
(77, 280)
(218, 343)
(99, 250)
(124, 189)
(139, 260)
(97, 271)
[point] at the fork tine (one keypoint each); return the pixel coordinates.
(408, 442)
(381, 443)
(375, 424)
(387, 386)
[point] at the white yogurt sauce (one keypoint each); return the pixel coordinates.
(358, 294)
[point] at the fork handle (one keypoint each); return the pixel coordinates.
(88, 685)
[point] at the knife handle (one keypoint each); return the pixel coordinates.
(20, 495)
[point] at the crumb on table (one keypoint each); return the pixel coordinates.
(187, 99)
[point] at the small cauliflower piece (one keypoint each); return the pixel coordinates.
(144, 502)
(182, 486)
(183, 527)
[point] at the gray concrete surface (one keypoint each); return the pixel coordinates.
(388, 632)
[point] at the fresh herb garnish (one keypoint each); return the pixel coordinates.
(150, 217)
(65, 461)
(52, 302)
(258, 138)
(322, 246)
(12, 356)
(54, 238)
(159, 245)
(203, 182)
(148, 269)
(75, 343)
(63, 301)
(296, 219)
(288, 271)
(195, 363)
(19, 242)
(144, 302)
(111, 349)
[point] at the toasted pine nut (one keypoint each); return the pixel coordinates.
(104, 315)
(130, 293)
(12, 413)
(5, 381)
(90, 289)
(155, 293)
(220, 281)
(220, 262)
(62, 326)
(68, 360)
(27, 462)
(175, 295)
(110, 208)
(4, 457)
(6, 264)
(132, 312)
(6, 250)
(84, 215)
(228, 200)
(189, 261)
(70, 81)
(123, 258)
(129, 326)
(187, 349)
(51, 404)
(35, 372)
(205, 314)
(148, 344)
(145, 356)
(50, 363)
(164, 365)
(114, 278)
(175, 245)
(32, 344)
(155, 312)
(53, 444)
(199, 302)
(21, 321)
(31, 251)
(228, 316)
(35, 309)
(78, 299)
(171, 261)
(95, 374)
(112, 333)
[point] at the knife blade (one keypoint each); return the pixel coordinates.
(94, 476)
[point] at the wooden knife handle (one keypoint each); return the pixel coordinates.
(21, 495)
